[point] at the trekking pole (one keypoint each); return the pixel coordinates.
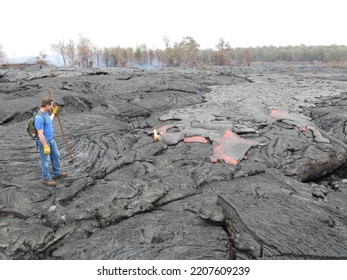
(62, 130)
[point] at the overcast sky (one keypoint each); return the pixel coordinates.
(30, 26)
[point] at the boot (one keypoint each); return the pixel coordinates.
(62, 175)
(49, 183)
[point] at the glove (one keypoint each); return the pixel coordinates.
(46, 150)
(55, 109)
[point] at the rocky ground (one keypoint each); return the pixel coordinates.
(250, 164)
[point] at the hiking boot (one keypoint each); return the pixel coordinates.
(49, 183)
(62, 175)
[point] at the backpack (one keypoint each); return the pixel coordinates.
(31, 125)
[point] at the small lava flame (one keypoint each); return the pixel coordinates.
(156, 136)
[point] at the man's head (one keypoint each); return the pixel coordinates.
(47, 104)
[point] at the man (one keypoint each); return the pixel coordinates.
(46, 144)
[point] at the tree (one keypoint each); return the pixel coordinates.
(171, 56)
(190, 51)
(160, 57)
(223, 55)
(97, 54)
(85, 51)
(152, 58)
(138, 55)
(130, 55)
(175, 55)
(42, 58)
(112, 52)
(3, 56)
(60, 48)
(141, 55)
(71, 52)
(206, 56)
(121, 56)
(107, 57)
(246, 56)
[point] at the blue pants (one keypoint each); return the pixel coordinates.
(54, 157)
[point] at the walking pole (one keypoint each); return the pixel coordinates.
(62, 131)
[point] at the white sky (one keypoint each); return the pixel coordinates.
(30, 26)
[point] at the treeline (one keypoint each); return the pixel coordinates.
(332, 53)
(187, 53)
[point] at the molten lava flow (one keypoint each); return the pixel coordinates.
(278, 116)
(195, 139)
(231, 149)
(163, 129)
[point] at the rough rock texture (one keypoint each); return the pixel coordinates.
(250, 163)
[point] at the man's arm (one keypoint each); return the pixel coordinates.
(52, 116)
(42, 137)
(46, 148)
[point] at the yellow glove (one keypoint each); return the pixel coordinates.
(55, 109)
(46, 150)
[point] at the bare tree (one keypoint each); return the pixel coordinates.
(71, 52)
(41, 59)
(107, 57)
(85, 51)
(3, 56)
(97, 54)
(60, 48)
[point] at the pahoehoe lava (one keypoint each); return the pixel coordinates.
(250, 163)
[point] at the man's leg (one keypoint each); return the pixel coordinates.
(55, 158)
(46, 175)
